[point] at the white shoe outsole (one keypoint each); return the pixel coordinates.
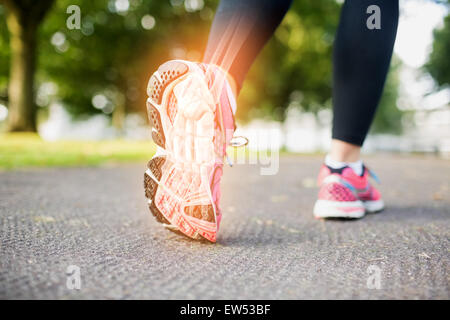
(350, 209)
(186, 145)
(373, 206)
(338, 209)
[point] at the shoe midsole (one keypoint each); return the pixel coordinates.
(345, 209)
(373, 205)
(169, 152)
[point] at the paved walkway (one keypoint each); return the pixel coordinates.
(269, 246)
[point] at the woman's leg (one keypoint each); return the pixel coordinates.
(193, 135)
(361, 62)
(239, 31)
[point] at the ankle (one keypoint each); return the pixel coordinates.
(230, 80)
(356, 166)
(232, 84)
(344, 152)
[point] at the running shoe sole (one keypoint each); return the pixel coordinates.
(349, 209)
(176, 181)
(373, 206)
(339, 209)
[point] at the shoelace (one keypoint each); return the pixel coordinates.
(235, 145)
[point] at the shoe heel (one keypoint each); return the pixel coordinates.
(150, 187)
(158, 82)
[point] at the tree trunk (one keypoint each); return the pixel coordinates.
(22, 109)
(23, 19)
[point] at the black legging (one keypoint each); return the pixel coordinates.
(361, 55)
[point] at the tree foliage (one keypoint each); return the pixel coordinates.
(297, 59)
(113, 55)
(439, 62)
(388, 118)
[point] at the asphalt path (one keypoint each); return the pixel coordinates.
(56, 222)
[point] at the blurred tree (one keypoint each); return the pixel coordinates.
(297, 65)
(438, 64)
(104, 66)
(388, 118)
(297, 59)
(23, 18)
(4, 57)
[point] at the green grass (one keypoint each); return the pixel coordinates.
(26, 150)
(19, 150)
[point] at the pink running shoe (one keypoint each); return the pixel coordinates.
(192, 123)
(344, 194)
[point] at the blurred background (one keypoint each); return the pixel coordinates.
(75, 96)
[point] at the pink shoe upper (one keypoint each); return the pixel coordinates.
(345, 185)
